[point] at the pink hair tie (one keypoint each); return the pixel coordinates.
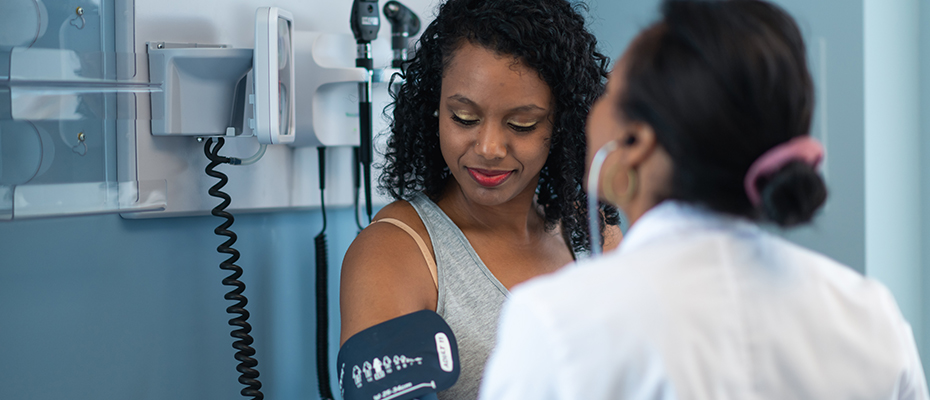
(802, 148)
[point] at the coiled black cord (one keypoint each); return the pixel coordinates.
(243, 342)
(322, 293)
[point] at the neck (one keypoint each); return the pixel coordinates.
(633, 211)
(655, 185)
(640, 205)
(519, 216)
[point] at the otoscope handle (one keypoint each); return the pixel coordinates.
(364, 113)
(366, 63)
(365, 150)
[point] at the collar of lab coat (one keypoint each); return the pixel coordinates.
(672, 218)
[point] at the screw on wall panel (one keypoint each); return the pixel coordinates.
(80, 15)
(80, 148)
(160, 46)
(199, 139)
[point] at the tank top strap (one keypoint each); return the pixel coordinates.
(452, 249)
(430, 263)
(470, 296)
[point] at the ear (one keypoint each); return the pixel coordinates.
(638, 143)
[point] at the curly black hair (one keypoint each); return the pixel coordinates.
(548, 36)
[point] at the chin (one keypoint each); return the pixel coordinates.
(490, 196)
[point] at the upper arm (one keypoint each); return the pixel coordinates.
(384, 276)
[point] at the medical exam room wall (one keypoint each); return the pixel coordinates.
(869, 62)
(101, 307)
(106, 308)
(925, 172)
(892, 156)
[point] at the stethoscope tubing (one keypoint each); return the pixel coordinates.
(594, 216)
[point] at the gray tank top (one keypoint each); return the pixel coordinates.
(470, 297)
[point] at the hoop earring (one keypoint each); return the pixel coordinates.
(632, 186)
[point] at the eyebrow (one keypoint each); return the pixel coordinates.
(528, 107)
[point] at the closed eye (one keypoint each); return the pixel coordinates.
(523, 128)
(465, 122)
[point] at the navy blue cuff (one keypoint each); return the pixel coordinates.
(408, 357)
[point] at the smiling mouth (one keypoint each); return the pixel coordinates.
(489, 178)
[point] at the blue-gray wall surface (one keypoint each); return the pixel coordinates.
(892, 154)
(105, 308)
(925, 178)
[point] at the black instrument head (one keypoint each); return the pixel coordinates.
(402, 19)
(365, 20)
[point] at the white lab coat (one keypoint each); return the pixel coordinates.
(698, 305)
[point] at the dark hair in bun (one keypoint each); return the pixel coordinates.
(721, 83)
(792, 195)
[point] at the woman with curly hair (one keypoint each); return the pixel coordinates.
(486, 160)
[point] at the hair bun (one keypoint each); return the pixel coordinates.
(792, 195)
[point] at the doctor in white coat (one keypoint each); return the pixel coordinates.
(709, 111)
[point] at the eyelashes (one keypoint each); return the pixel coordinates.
(472, 122)
(463, 121)
(523, 128)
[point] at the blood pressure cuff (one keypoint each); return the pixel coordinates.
(408, 357)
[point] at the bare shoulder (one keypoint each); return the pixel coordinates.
(402, 210)
(612, 237)
(384, 273)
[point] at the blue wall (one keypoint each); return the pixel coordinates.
(925, 176)
(106, 308)
(892, 155)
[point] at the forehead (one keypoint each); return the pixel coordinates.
(484, 75)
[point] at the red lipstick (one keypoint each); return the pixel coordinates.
(488, 178)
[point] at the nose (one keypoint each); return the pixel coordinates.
(491, 142)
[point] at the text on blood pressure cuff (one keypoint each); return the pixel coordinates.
(407, 357)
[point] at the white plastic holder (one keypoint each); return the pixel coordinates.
(199, 84)
(327, 89)
(212, 90)
(274, 77)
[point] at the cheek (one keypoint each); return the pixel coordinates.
(452, 143)
(534, 152)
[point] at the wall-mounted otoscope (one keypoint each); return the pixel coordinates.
(365, 23)
(404, 24)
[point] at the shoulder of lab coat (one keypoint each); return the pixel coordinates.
(552, 332)
(531, 359)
